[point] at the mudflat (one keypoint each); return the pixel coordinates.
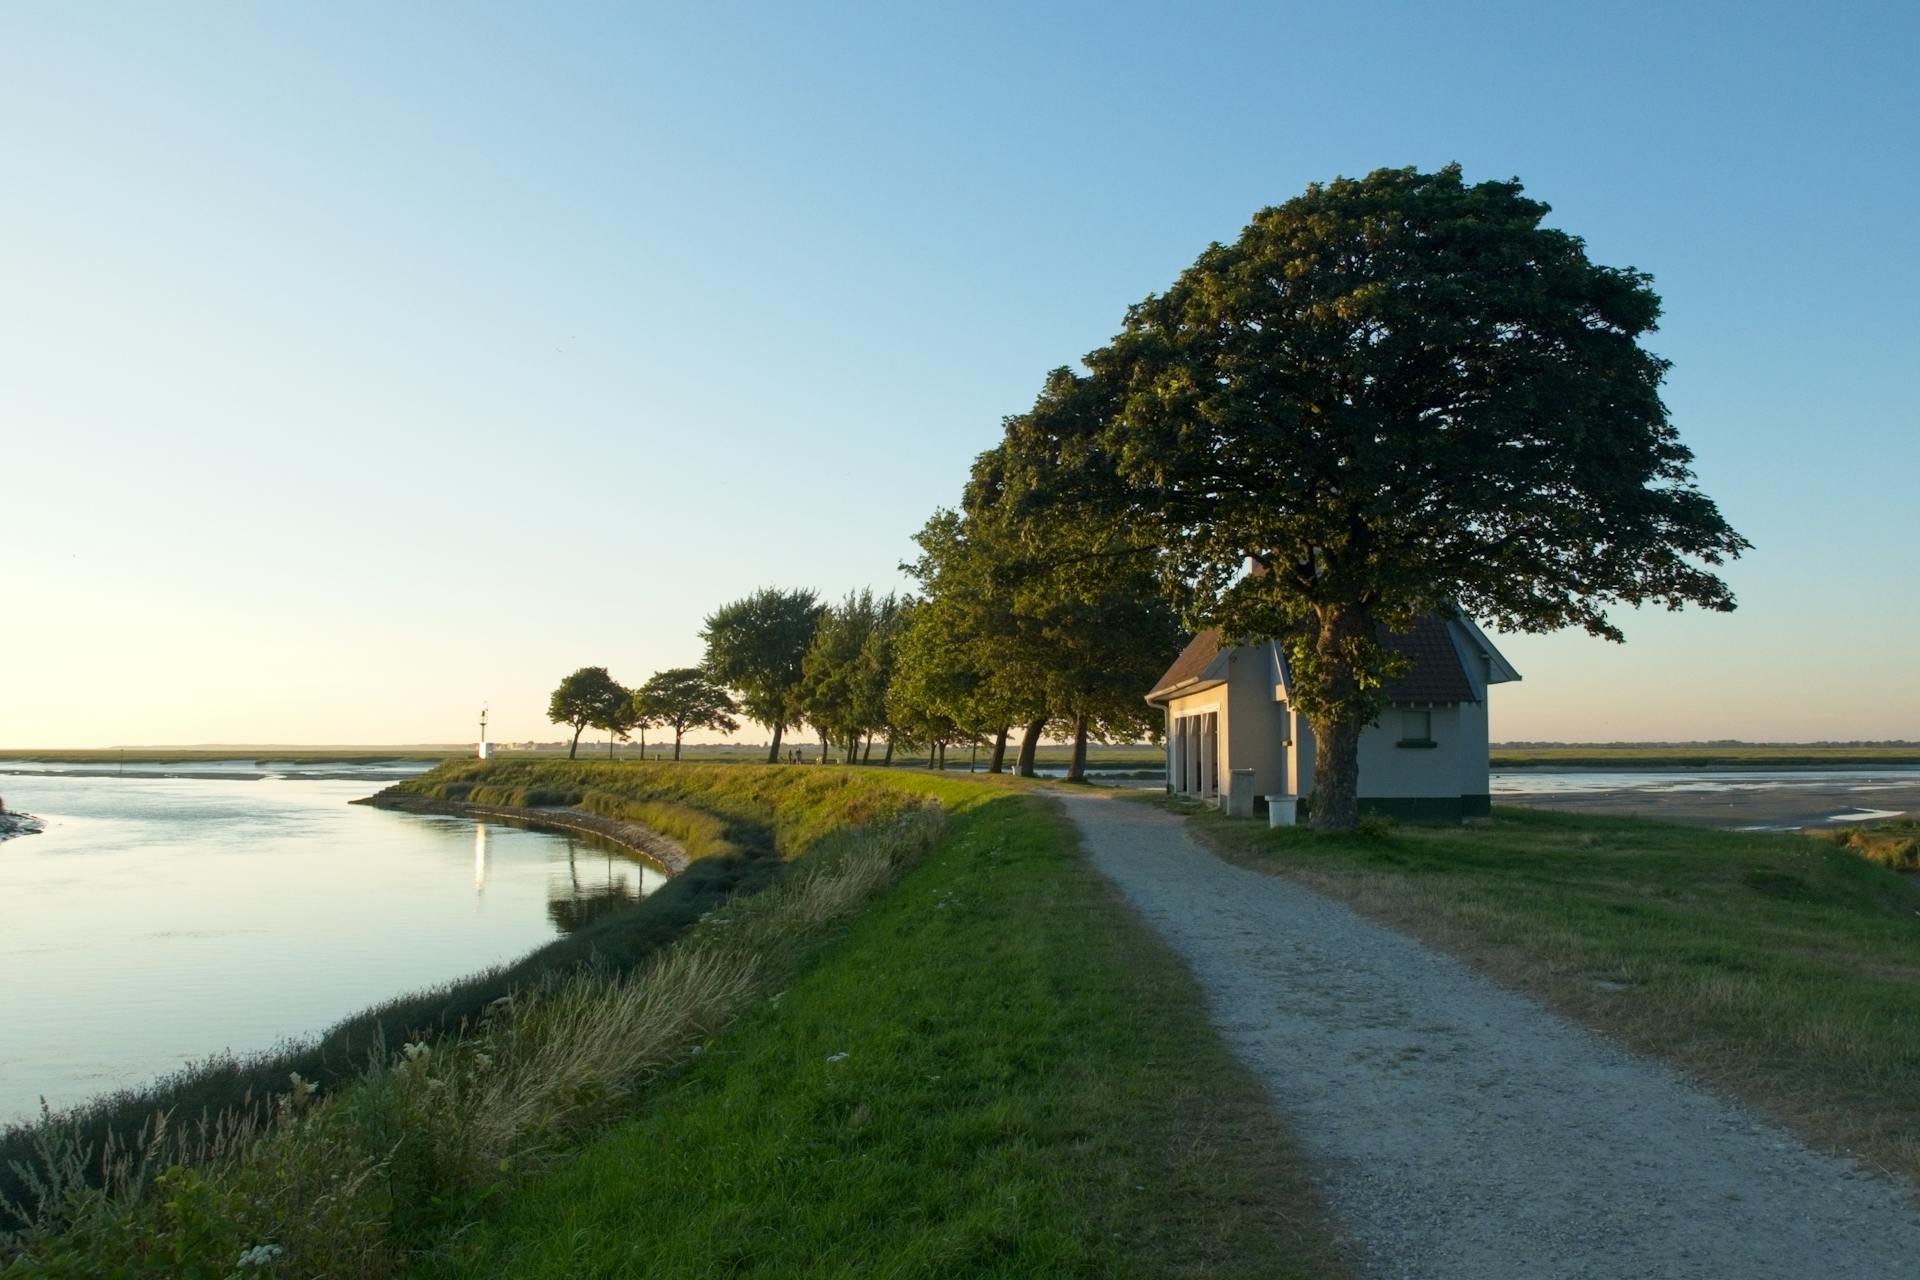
(1760, 799)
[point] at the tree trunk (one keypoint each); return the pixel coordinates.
(643, 744)
(998, 764)
(676, 742)
(866, 757)
(1029, 743)
(609, 744)
(973, 762)
(826, 746)
(943, 757)
(887, 759)
(773, 751)
(574, 749)
(1336, 729)
(1077, 770)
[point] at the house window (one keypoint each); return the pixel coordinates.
(1416, 729)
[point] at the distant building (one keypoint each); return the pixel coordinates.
(1229, 708)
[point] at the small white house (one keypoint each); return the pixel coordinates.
(1230, 715)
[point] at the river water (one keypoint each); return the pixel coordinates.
(177, 910)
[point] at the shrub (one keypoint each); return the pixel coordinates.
(1891, 844)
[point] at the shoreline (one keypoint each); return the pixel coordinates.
(20, 824)
(641, 841)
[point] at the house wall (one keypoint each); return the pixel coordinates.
(1474, 785)
(1388, 770)
(1214, 700)
(1300, 766)
(1259, 730)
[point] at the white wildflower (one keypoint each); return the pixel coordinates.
(261, 1255)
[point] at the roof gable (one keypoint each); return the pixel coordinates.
(1195, 665)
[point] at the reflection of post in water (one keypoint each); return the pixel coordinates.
(570, 906)
(479, 859)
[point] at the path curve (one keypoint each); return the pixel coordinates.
(1462, 1130)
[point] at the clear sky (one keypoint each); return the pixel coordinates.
(363, 363)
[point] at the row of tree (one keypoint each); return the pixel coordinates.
(1391, 396)
(681, 699)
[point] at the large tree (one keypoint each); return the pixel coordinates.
(978, 661)
(757, 647)
(846, 673)
(1087, 593)
(587, 697)
(1396, 395)
(682, 699)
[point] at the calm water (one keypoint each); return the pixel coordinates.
(160, 919)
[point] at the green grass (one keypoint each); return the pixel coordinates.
(1029, 1088)
(1781, 968)
(1779, 755)
(780, 810)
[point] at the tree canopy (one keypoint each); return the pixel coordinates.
(1396, 395)
(589, 697)
(681, 699)
(847, 669)
(757, 647)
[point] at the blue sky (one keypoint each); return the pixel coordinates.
(362, 363)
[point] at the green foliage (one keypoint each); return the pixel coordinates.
(590, 697)
(848, 668)
(758, 647)
(682, 699)
(1398, 395)
(1032, 613)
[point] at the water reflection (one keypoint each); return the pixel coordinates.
(597, 881)
(158, 920)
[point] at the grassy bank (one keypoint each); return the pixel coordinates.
(779, 811)
(1780, 756)
(998, 1070)
(750, 820)
(1780, 968)
(357, 1176)
(988, 1066)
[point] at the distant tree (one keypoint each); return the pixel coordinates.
(682, 699)
(757, 647)
(587, 697)
(619, 717)
(879, 658)
(846, 672)
(1397, 395)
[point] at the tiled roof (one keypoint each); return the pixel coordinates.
(1191, 664)
(1436, 674)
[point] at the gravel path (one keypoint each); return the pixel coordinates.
(1459, 1129)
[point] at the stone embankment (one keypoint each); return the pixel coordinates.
(644, 841)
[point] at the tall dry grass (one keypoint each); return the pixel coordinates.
(361, 1183)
